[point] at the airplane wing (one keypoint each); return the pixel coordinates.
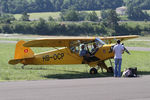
(67, 41)
(57, 42)
(113, 39)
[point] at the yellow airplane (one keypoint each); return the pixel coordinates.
(68, 51)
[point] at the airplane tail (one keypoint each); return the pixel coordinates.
(21, 53)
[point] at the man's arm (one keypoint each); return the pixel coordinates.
(94, 51)
(114, 48)
(123, 49)
(80, 54)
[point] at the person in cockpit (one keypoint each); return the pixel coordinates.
(94, 49)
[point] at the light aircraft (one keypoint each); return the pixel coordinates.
(68, 51)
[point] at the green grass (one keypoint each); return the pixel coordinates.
(142, 24)
(143, 38)
(125, 18)
(45, 15)
(36, 16)
(137, 44)
(142, 41)
(148, 11)
(14, 39)
(98, 12)
(138, 59)
(38, 72)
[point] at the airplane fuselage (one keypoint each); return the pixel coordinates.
(65, 56)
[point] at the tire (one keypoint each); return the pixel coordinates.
(110, 70)
(93, 71)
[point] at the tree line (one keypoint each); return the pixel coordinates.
(109, 25)
(20, 6)
(43, 27)
(143, 4)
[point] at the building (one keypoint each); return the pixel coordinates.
(121, 10)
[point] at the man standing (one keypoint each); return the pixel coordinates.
(118, 50)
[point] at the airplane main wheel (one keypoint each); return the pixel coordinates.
(93, 71)
(110, 70)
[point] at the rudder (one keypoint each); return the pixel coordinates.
(22, 52)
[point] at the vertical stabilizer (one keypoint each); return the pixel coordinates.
(22, 52)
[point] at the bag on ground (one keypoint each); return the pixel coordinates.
(130, 72)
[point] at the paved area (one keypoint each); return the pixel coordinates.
(6, 41)
(138, 48)
(78, 89)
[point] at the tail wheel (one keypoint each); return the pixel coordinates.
(93, 71)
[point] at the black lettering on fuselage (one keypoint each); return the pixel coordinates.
(57, 56)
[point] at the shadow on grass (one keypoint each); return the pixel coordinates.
(143, 72)
(70, 74)
(77, 75)
(26, 68)
(62, 70)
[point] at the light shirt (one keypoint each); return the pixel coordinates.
(83, 52)
(118, 49)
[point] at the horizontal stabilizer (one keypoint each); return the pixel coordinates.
(21, 53)
(15, 61)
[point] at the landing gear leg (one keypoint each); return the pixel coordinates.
(99, 67)
(110, 62)
(110, 69)
(102, 65)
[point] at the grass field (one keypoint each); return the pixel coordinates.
(36, 16)
(142, 24)
(8, 72)
(148, 11)
(137, 44)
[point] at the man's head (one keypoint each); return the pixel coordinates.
(118, 41)
(82, 47)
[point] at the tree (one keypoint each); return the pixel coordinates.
(69, 15)
(25, 17)
(135, 13)
(82, 15)
(143, 4)
(19, 6)
(50, 18)
(92, 16)
(111, 18)
(104, 14)
(6, 28)
(6, 18)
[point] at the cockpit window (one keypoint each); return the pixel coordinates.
(99, 42)
(74, 49)
(75, 46)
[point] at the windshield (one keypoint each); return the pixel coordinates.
(99, 42)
